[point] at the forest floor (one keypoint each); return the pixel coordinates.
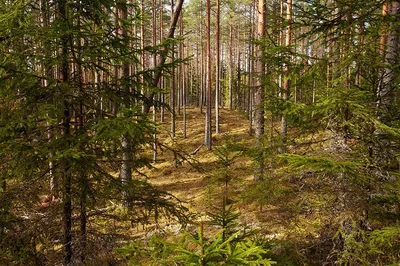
(192, 173)
(188, 174)
(292, 211)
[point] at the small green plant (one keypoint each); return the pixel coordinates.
(199, 250)
(225, 218)
(229, 246)
(153, 251)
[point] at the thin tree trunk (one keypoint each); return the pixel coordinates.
(231, 67)
(238, 102)
(181, 72)
(390, 53)
(202, 64)
(48, 72)
(286, 83)
(83, 176)
(126, 143)
(259, 91)
(172, 83)
(164, 52)
(251, 73)
(389, 48)
(217, 66)
(65, 132)
(143, 52)
(181, 67)
(161, 81)
(184, 92)
(154, 42)
(208, 133)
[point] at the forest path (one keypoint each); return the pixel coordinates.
(191, 180)
(195, 181)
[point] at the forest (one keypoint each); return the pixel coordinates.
(200, 132)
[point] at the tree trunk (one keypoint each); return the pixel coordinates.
(208, 133)
(259, 91)
(154, 42)
(172, 82)
(286, 83)
(143, 52)
(65, 132)
(161, 81)
(217, 66)
(184, 98)
(164, 53)
(389, 48)
(48, 72)
(126, 143)
(80, 118)
(231, 67)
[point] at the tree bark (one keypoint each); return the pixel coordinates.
(389, 48)
(231, 67)
(65, 132)
(259, 90)
(126, 143)
(172, 82)
(163, 55)
(217, 66)
(286, 83)
(161, 81)
(208, 133)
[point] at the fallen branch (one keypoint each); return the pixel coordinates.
(196, 150)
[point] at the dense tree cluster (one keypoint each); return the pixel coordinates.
(318, 82)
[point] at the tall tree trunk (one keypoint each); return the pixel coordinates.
(389, 48)
(231, 67)
(208, 133)
(202, 72)
(65, 132)
(286, 83)
(154, 42)
(172, 82)
(251, 73)
(161, 81)
(81, 77)
(390, 53)
(163, 54)
(259, 90)
(184, 98)
(49, 72)
(126, 143)
(217, 65)
(180, 69)
(143, 52)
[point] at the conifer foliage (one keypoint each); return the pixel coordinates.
(317, 82)
(70, 117)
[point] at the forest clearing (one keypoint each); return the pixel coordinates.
(199, 132)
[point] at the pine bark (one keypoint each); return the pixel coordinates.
(172, 83)
(259, 89)
(163, 54)
(389, 49)
(208, 133)
(217, 65)
(126, 143)
(65, 132)
(154, 42)
(286, 82)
